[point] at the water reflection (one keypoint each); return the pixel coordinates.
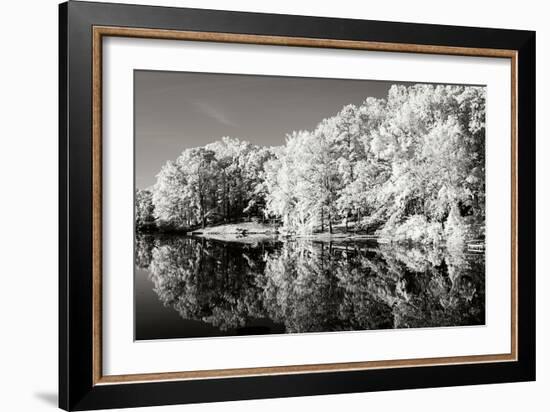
(302, 286)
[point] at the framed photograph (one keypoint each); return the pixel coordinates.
(257, 205)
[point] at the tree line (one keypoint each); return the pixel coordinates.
(409, 167)
(219, 182)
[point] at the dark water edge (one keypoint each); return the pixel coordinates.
(154, 320)
(188, 287)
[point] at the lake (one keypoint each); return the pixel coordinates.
(189, 287)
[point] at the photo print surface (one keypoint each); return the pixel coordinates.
(271, 205)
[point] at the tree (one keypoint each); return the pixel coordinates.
(358, 163)
(281, 182)
(171, 200)
(144, 208)
(201, 169)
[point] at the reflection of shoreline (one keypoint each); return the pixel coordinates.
(314, 286)
(338, 240)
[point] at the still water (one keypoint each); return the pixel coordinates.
(194, 287)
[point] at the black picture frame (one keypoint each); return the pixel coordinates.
(77, 390)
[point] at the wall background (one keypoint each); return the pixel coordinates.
(28, 205)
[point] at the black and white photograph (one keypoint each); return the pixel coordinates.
(271, 205)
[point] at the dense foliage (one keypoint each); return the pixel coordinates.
(219, 182)
(144, 208)
(410, 167)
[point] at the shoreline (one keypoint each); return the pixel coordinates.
(254, 232)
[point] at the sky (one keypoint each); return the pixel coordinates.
(179, 110)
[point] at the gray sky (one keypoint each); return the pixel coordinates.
(178, 110)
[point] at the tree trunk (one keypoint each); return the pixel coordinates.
(225, 199)
(346, 220)
(329, 223)
(322, 257)
(322, 220)
(202, 205)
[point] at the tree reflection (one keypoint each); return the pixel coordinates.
(314, 286)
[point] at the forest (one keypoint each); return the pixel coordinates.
(407, 168)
